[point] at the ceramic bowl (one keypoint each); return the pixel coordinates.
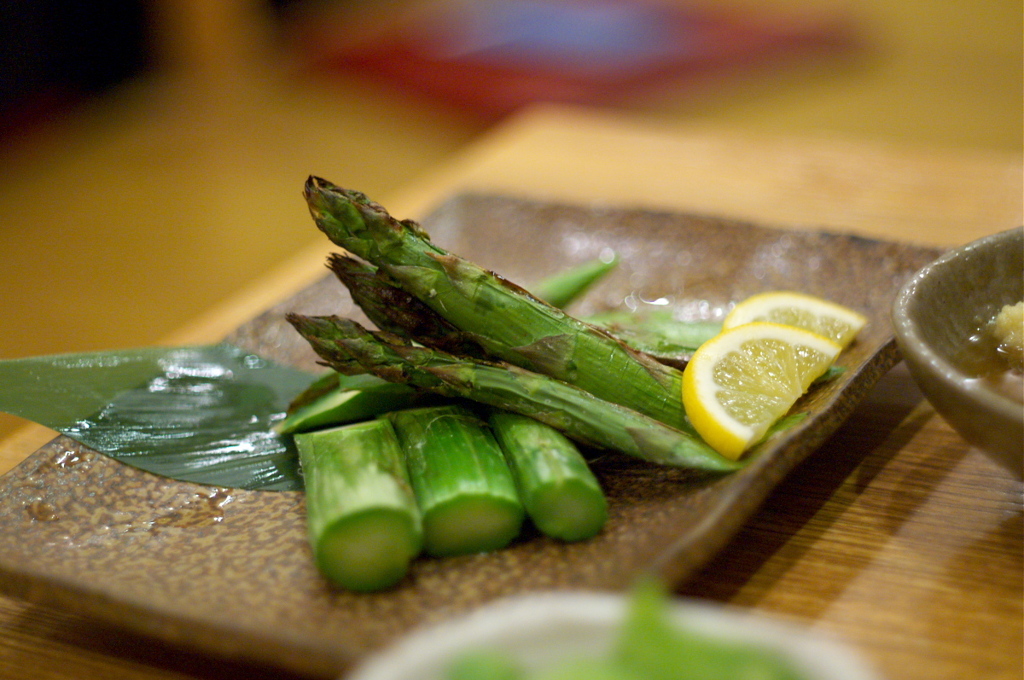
(540, 629)
(935, 314)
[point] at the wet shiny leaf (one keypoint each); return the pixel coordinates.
(202, 414)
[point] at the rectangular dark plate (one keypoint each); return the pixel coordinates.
(229, 572)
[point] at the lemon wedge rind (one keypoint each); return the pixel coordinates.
(824, 317)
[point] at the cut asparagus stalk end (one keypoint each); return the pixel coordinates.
(465, 490)
(363, 521)
(562, 496)
(343, 406)
(570, 511)
(471, 524)
(368, 551)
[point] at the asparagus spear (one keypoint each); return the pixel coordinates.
(657, 334)
(324, 384)
(364, 525)
(396, 311)
(504, 319)
(393, 310)
(463, 485)
(559, 491)
(575, 412)
(337, 400)
(567, 286)
(331, 400)
(561, 495)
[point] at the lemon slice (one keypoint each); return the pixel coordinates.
(744, 379)
(836, 322)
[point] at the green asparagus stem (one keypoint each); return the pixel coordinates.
(463, 485)
(335, 400)
(393, 310)
(561, 495)
(575, 412)
(567, 286)
(324, 384)
(504, 319)
(364, 525)
(657, 334)
(355, 398)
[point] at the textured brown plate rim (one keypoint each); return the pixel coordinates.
(33, 563)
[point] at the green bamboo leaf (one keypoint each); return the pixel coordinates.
(201, 414)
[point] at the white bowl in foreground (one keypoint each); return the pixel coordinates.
(540, 629)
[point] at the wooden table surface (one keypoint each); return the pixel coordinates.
(896, 536)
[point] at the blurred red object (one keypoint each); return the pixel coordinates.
(495, 56)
